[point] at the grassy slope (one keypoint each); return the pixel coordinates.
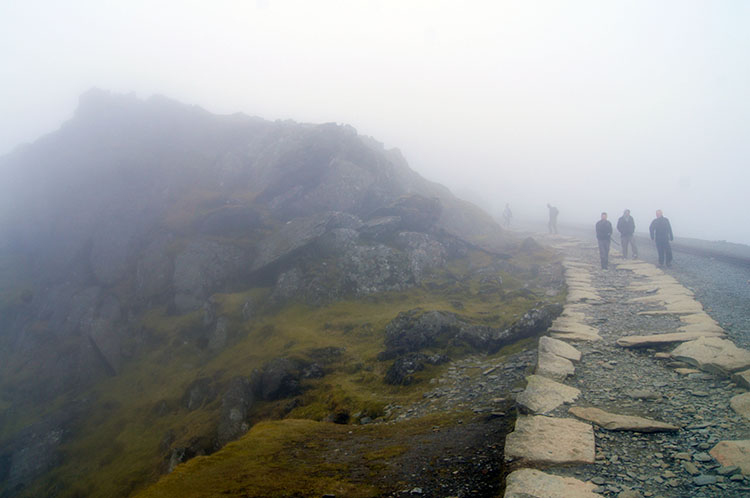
(116, 450)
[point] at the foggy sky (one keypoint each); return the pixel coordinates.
(589, 105)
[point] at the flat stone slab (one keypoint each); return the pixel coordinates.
(540, 440)
(733, 453)
(532, 483)
(713, 354)
(644, 341)
(741, 405)
(559, 348)
(615, 422)
(554, 367)
(542, 395)
(666, 312)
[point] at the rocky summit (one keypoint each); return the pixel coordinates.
(173, 280)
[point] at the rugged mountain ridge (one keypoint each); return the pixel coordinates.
(148, 235)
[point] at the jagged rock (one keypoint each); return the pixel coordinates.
(532, 483)
(198, 393)
(741, 404)
(235, 405)
(414, 330)
(713, 354)
(154, 269)
(298, 233)
(542, 395)
(731, 453)
(279, 378)
(201, 268)
(559, 348)
(553, 366)
(218, 338)
(403, 369)
(642, 341)
(229, 220)
(540, 440)
(615, 422)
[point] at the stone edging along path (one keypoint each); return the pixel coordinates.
(658, 393)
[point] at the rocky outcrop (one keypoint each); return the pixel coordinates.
(235, 407)
(414, 330)
(402, 371)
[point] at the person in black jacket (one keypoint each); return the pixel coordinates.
(661, 232)
(626, 227)
(603, 235)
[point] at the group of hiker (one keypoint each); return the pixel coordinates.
(660, 231)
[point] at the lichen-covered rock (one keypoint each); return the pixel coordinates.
(414, 330)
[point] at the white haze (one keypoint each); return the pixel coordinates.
(589, 105)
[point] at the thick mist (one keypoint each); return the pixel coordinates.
(586, 105)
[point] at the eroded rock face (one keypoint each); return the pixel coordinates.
(200, 270)
(235, 405)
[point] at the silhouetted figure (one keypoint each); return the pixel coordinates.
(603, 236)
(661, 232)
(507, 215)
(626, 227)
(553, 212)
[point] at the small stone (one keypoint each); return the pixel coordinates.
(690, 468)
(682, 456)
(702, 457)
(726, 471)
(416, 491)
(599, 481)
(737, 477)
(704, 480)
(700, 394)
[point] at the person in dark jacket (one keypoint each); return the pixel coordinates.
(661, 232)
(603, 235)
(553, 212)
(626, 227)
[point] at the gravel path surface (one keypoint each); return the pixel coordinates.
(662, 464)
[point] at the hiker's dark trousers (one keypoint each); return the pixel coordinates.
(604, 252)
(625, 241)
(665, 252)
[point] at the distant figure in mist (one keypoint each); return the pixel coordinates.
(507, 215)
(661, 232)
(603, 236)
(626, 227)
(553, 212)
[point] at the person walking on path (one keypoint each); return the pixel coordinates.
(507, 215)
(603, 236)
(626, 227)
(661, 232)
(553, 212)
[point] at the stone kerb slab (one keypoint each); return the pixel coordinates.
(542, 395)
(615, 422)
(559, 348)
(554, 367)
(540, 440)
(713, 354)
(532, 483)
(731, 453)
(644, 341)
(741, 405)
(573, 330)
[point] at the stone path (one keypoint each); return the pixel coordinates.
(659, 398)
